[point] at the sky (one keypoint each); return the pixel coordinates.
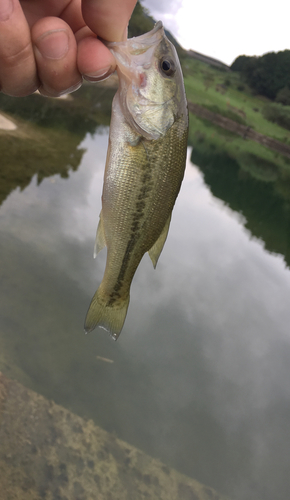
(225, 29)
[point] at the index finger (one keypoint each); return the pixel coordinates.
(18, 74)
(108, 18)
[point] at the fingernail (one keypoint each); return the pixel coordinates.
(97, 76)
(53, 44)
(6, 9)
(46, 91)
(71, 89)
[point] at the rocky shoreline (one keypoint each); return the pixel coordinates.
(47, 453)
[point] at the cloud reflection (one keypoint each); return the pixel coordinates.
(201, 371)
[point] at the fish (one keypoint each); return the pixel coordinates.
(144, 168)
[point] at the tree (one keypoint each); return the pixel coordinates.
(140, 22)
(283, 96)
(267, 74)
(240, 63)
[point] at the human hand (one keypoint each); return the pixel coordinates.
(50, 44)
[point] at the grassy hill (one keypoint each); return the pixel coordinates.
(224, 93)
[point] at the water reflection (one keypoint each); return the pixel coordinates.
(49, 132)
(255, 188)
(200, 376)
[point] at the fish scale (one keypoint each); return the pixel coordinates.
(144, 168)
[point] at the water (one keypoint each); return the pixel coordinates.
(200, 376)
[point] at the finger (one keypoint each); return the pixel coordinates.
(18, 76)
(95, 61)
(108, 18)
(68, 10)
(55, 51)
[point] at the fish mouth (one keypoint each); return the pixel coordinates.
(134, 55)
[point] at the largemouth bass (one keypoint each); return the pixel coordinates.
(144, 168)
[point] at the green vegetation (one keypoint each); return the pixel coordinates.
(255, 189)
(283, 96)
(90, 109)
(140, 22)
(228, 113)
(266, 75)
(250, 178)
(49, 133)
(209, 138)
(225, 94)
(277, 113)
(32, 151)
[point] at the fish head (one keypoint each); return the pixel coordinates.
(151, 90)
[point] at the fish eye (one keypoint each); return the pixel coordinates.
(167, 67)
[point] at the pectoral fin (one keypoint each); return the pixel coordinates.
(100, 242)
(156, 249)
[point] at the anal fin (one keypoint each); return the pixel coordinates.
(156, 249)
(100, 242)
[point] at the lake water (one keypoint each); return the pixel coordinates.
(200, 376)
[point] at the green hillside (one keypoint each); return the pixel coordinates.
(224, 93)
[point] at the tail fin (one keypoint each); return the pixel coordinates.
(110, 317)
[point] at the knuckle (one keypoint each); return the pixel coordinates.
(19, 91)
(11, 56)
(18, 76)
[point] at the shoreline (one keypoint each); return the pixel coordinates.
(244, 131)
